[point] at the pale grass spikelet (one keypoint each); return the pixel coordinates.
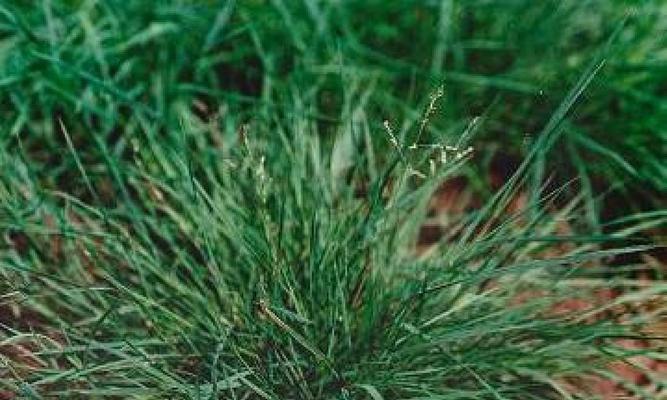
(244, 136)
(390, 132)
(443, 157)
(440, 91)
(460, 155)
(261, 170)
(264, 178)
(414, 172)
(257, 163)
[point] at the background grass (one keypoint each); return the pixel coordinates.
(202, 200)
(509, 61)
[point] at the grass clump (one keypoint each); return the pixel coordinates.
(201, 201)
(280, 267)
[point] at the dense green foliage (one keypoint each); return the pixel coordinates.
(203, 200)
(106, 65)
